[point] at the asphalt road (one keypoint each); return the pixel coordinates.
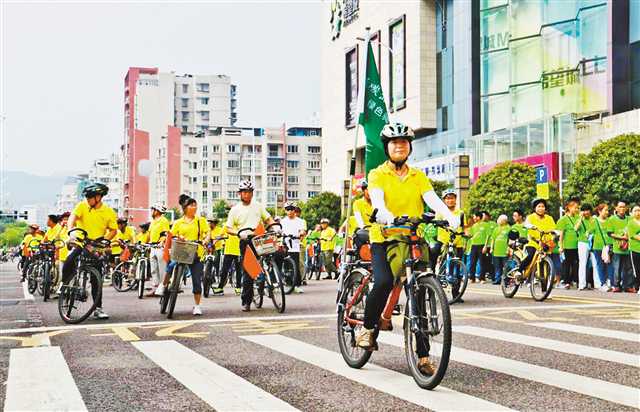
(576, 351)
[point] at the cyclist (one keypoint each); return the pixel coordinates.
(158, 228)
(99, 221)
(362, 208)
(537, 220)
(216, 231)
(143, 234)
(327, 239)
(293, 226)
(125, 234)
(192, 228)
(53, 228)
(450, 198)
(395, 189)
(231, 256)
(32, 233)
(62, 252)
(302, 245)
(246, 214)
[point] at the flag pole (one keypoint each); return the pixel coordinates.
(352, 166)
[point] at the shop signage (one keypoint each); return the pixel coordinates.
(343, 13)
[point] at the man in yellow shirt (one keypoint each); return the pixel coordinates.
(143, 234)
(327, 242)
(99, 221)
(32, 233)
(125, 234)
(53, 228)
(158, 229)
(396, 190)
(230, 256)
(362, 208)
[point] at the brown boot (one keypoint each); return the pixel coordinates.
(426, 367)
(365, 340)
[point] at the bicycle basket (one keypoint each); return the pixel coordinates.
(183, 251)
(265, 244)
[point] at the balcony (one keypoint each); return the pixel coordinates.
(275, 169)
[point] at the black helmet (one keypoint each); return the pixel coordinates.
(213, 219)
(122, 220)
(94, 189)
(539, 200)
(145, 226)
(364, 185)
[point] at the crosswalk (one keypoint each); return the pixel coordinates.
(39, 378)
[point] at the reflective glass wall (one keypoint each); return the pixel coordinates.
(634, 40)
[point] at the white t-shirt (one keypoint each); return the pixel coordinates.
(292, 227)
(243, 216)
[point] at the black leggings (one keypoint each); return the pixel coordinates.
(570, 266)
(69, 269)
(485, 262)
(382, 285)
(227, 261)
(635, 265)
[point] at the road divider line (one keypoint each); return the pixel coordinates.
(612, 392)
(631, 321)
(25, 291)
(455, 310)
(40, 380)
(218, 387)
(553, 345)
(588, 330)
(373, 376)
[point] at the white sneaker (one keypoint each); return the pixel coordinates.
(297, 290)
(159, 290)
(100, 314)
(197, 311)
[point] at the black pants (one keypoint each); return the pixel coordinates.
(635, 266)
(530, 251)
(247, 280)
(434, 254)
(296, 258)
(570, 266)
(484, 258)
(26, 260)
(69, 269)
(227, 261)
(382, 286)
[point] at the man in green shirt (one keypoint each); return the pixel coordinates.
(479, 233)
(518, 223)
(616, 228)
(633, 231)
(499, 244)
(567, 225)
(584, 224)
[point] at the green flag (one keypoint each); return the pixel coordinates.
(373, 115)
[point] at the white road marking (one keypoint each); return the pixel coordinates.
(612, 392)
(218, 387)
(631, 321)
(587, 330)
(11, 288)
(25, 291)
(40, 380)
(376, 377)
(455, 310)
(554, 345)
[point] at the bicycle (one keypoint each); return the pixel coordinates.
(123, 275)
(427, 315)
(211, 271)
(451, 270)
(92, 258)
(45, 270)
(182, 253)
(288, 266)
(540, 274)
(265, 248)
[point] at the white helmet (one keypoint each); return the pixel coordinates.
(245, 185)
(159, 207)
(290, 205)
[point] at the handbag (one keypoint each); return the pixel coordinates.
(606, 254)
(623, 245)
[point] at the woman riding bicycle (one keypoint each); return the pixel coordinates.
(396, 190)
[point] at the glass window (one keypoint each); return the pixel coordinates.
(634, 21)
(494, 72)
(351, 96)
(488, 4)
(313, 149)
(292, 194)
(526, 18)
(397, 65)
(503, 145)
(495, 112)
(536, 138)
(203, 87)
(215, 164)
(526, 61)
(215, 148)
(313, 164)
(233, 164)
(185, 88)
(520, 142)
(293, 164)
(494, 29)
(184, 101)
(203, 100)
(292, 148)
(526, 103)
(593, 32)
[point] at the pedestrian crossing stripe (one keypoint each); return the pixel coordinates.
(587, 330)
(376, 377)
(612, 392)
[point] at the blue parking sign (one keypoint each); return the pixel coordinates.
(542, 175)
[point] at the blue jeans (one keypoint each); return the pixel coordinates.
(195, 270)
(498, 264)
(601, 269)
(622, 275)
(557, 263)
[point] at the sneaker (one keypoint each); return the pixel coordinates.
(237, 291)
(298, 290)
(57, 292)
(604, 288)
(365, 340)
(304, 283)
(159, 290)
(246, 308)
(565, 286)
(616, 290)
(100, 314)
(495, 283)
(426, 367)
(197, 311)
(473, 280)
(396, 310)
(630, 290)
(482, 282)
(218, 292)
(328, 277)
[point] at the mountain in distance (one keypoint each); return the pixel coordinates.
(22, 188)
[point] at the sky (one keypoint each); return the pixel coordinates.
(64, 65)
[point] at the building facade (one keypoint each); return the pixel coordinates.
(284, 164)
(155, 104)
(108, 172)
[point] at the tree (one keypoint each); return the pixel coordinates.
(12, 233)
(272, 211)
(440, 185)
(220, 209)
(325, 204)
(507, 187)
(610, 172)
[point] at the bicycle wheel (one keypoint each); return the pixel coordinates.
(354, 356)
(454, 271)
(428, 331)
(289, 272)
(120, 277)
(40, 279)
(207, 278)
(258, 292)
(141, 275)
(510, 283)
(541, 280)
(275, 286)
(32, 281)
(76, 301)
(46, 281)
(174, 288)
